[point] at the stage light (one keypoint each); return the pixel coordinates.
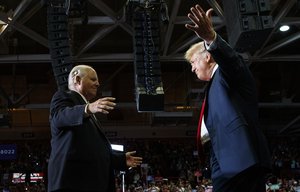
(284, 28)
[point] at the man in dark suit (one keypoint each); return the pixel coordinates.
(81, 156)
(239, 151)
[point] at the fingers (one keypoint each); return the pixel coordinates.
(193, 18)
(196, 16)
(133, 161)
(130, 153)
(190, 27)
(197, 11)
(107, 102)
(108, 99)
(201, 23)
(199, 8)
(209, 13)
(103, 105)
(136, 162)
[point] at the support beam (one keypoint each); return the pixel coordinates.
(280, 16)
(285, 128)
(184, 45)
(109, 12)
(101, 33)
(30, 13)
(169, 32)
(23, 29)
(124, 57)
(217, 8)
(31, 34)
(94, 20)
(111, 77)
(16, 14)
(279, 44)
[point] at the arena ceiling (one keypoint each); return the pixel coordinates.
(105, 40)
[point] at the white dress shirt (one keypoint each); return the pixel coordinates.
(204, 132)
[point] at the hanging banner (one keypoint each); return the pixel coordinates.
(8, 151)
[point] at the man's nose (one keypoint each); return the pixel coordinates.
(193, 69)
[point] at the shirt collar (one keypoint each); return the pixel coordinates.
(214, 70)
(82, 96)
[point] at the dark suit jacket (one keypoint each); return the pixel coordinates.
(231, 116)
(81, 156)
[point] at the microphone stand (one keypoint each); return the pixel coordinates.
(122, 173)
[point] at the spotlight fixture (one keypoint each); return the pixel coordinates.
(284, 28)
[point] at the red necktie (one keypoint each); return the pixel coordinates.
(199, 143)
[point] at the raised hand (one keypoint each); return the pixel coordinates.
(202, 23)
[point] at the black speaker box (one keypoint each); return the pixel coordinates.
(148, 103)
(248, 23)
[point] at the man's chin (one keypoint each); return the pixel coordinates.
(94, 95)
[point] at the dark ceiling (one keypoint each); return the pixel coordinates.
(106, 42)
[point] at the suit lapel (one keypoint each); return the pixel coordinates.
(207, 88)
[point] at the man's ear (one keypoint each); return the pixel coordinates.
(209, 58)
(77, 79)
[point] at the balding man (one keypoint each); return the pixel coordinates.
(81, 156)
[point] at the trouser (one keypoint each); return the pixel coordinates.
(252, 179)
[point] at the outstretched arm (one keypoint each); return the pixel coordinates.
(231, 64)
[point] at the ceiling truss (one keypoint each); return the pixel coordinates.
(16, 19)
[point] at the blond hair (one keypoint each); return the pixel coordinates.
(195, 48)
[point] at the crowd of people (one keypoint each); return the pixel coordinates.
(168, 165)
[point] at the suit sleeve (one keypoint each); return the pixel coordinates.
(119, 160)
(230, 62)
(64, 112)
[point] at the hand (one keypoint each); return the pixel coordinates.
(202, 24)
(102, 105)
(133, 161)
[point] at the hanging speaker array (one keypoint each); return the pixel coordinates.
(146, 18)
(57, 23)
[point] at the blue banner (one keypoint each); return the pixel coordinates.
(8, 151)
